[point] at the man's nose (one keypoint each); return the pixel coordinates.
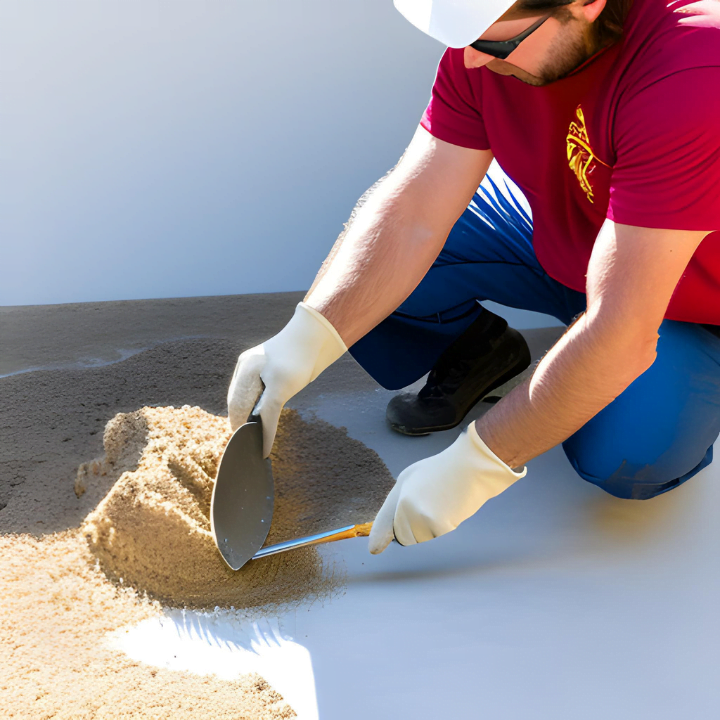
(475, 59)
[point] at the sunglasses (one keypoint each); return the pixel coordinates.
(502, 48)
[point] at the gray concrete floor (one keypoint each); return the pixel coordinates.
(555, 601)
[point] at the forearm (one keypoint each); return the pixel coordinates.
(581, 374)
(395, 233)
(374, 265)
(341, 238)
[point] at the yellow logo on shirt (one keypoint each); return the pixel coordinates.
(580, 155)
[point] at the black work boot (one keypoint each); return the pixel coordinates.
(485, 356)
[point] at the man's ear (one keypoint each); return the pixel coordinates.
(591, 9)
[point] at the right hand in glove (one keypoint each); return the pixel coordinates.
(280, 368)
(433, 496)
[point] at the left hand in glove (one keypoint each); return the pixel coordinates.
(433, 496)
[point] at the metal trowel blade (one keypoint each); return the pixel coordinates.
(242, 501)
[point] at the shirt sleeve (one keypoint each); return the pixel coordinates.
(667, 145)
(454, 114)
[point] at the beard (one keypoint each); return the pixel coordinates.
(571, 54)
(566, 54)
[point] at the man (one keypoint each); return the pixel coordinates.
(606, 115)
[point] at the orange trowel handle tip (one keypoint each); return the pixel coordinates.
(355, 531)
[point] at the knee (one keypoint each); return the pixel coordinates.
(632, 479)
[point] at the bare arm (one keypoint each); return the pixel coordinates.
(395, 233)
(631, 276)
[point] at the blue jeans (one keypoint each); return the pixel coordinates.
(653, 437)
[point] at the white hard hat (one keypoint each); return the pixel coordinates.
(455, 23)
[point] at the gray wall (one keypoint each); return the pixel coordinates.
(161, 149)
(182, 148)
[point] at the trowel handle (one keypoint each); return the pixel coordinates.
(348, 532)
(344, 533)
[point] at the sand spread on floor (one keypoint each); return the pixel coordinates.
(148, 544)
(56, 609)
(152, 530)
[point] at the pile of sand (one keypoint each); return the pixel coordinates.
(152, 530)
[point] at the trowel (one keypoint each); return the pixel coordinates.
(241, 508)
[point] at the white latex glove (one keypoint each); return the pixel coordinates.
(280, 368)
(433, 496)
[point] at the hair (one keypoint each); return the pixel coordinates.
(607, 29)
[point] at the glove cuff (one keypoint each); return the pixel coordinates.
(319, 331)
(479, 443)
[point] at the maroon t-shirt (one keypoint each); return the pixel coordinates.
(632, 135)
